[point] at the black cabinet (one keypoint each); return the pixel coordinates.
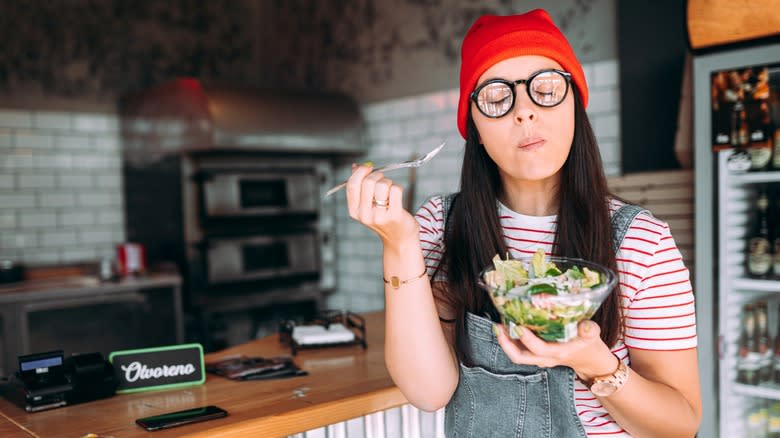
(652, 44)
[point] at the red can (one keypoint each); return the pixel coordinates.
(131, 259)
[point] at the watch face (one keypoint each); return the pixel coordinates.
(603, 389)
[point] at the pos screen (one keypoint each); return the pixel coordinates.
(40, 363)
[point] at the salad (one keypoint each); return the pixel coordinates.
(547, 295)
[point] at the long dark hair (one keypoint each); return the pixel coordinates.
(474, 236)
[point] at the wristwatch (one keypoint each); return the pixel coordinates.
(604, 386)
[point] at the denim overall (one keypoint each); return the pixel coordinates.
(497, 398)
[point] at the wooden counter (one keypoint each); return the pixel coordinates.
(343, 383)
(9, 429)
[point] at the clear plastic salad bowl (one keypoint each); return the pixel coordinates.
(568, 291)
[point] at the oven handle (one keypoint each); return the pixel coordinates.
(207, 244)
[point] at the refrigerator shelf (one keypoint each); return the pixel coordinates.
(765, 390)
(751, 285)
(754, 178)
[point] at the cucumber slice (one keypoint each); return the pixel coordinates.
(542, 288)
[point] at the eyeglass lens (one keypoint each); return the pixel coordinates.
(546, 89)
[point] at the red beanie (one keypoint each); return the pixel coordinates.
(494, 38)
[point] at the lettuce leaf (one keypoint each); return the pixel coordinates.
(510, 271)
(592, 278)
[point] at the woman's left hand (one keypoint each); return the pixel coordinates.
(587, 354)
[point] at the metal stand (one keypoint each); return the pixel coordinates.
(352, 321)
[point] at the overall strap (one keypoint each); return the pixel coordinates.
(621, 221)
(446, 204)
(446, 201)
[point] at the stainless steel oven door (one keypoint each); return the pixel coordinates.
(271, 192)
(262, 257)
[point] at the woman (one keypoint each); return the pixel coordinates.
(531, 178)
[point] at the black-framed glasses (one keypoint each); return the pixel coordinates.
(546, 88)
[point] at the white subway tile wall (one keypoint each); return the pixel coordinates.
(400, 128)
(60, 186)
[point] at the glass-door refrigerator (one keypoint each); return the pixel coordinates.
(737, 215)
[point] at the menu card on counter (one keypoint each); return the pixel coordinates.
(242, 367)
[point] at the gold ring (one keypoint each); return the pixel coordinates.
(383, 204)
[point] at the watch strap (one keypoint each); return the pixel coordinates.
(617, 379)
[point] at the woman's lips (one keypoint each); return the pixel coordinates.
(529, 144)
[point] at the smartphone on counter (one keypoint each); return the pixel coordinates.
(179, 418)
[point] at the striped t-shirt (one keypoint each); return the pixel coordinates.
(654, 283)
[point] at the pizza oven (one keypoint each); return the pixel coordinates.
(229, 183)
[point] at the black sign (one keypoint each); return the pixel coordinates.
(158, 368)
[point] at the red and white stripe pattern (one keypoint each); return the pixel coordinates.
(654, 285)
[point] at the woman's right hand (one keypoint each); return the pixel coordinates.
(377, 203)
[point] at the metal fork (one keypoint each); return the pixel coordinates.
(395, 166)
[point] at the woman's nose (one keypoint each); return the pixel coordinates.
(525, 109)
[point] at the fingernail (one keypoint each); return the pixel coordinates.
(354, 166)
(586, 329)
(495, 329)
(518, 331)
(369, 163)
